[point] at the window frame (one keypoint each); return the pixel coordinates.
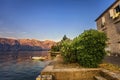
(117, 9)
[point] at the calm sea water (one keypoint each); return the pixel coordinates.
(19, 65)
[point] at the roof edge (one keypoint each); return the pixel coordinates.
(107, 10)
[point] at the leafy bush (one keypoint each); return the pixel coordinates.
(88, 49)
(68, 52)
(90, 46)
(55, 48)
(58, 46)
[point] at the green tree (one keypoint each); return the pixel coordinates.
(88, 49)
(59, 45)
(68, 52)
(90, 46)
(55, 48)
(64, 38)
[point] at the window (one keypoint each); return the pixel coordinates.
(117, 9)
(115, 13)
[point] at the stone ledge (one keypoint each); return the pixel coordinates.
(110, 75)
(71, 73)
(50, 68)
(99, 78)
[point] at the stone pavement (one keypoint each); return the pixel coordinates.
(113, 59)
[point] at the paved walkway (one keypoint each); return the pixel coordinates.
(113, 59)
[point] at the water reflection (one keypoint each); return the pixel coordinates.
(19, 65)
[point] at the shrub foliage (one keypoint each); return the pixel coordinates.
(68, 52)
(58, 46)
(88, 49)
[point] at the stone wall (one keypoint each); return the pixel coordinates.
(112, 29)
(71, 74)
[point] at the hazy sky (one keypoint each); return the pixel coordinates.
(49, 19)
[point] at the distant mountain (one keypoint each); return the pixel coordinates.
(7, 44)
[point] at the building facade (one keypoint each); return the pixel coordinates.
(109, 22)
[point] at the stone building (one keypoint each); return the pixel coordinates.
(109, 22)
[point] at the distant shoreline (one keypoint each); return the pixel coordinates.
(25, 45)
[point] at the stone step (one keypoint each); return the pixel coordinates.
(99, 78)
(44, 77)
(109, 75)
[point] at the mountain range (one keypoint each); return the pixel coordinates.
(7, 44)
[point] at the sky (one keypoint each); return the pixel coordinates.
(49, 19)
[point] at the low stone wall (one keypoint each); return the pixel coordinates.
(49, 73)
(65, 73)
(71, 74)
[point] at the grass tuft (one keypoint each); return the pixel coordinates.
(111, 67)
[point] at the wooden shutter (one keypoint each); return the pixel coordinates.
(111, 13)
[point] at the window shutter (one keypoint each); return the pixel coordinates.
(103, 20)
(111, 13)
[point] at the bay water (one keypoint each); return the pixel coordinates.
(20, 66)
